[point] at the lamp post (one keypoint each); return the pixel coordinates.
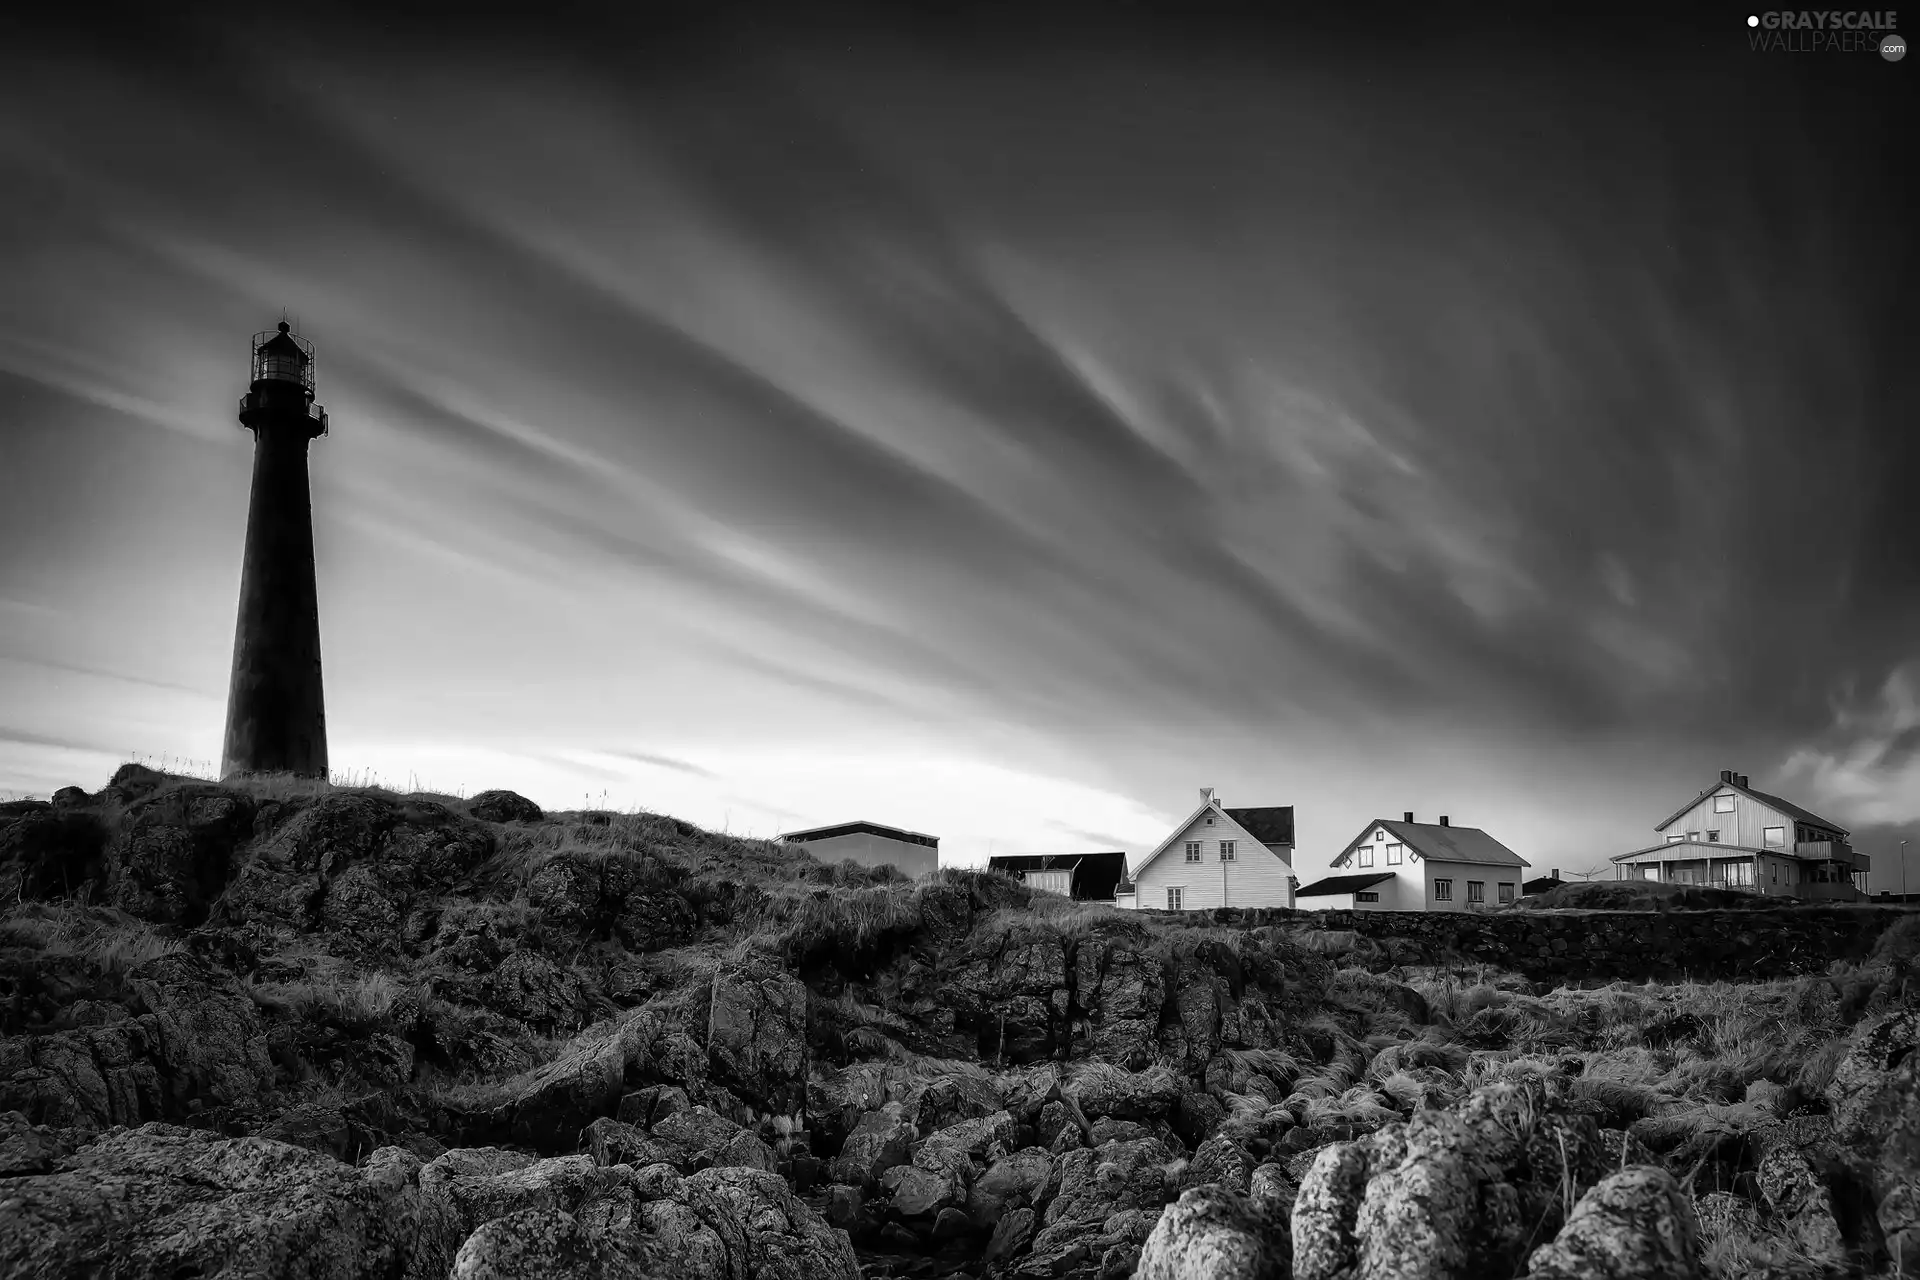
(1903, 873)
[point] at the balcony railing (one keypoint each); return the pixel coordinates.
(1825, 851)
(314, 412)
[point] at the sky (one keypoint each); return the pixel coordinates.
(999, 429)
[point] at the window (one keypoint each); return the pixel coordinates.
(1193, 851)
(1775, 837)
(1366, 855)
(1476, 891)
(1739, 875)
(1713, 837)
(1675, 839)
(1723, 803)
(1176, 899)
(1693, 835)
(1226, 851)
(1506, 893)
(1209, 821)
(1395, 854)
(1443, 891)
(1650, 872)
(1367, 895)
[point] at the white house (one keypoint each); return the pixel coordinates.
(1217, 857)
(1734, 837)
(871, 845)
(1419, 866)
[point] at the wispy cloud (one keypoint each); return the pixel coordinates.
(1867, 769)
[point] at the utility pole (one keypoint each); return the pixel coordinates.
(1903, 873)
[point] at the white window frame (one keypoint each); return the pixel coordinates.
(1476, 893)
(1193, 851)
(1774, 837)
(1675, 839)
(1723, 803)
(1227, 851)
(1713, 837)
(1176, 897)
(1443, 889)
(1396, 854)
(1366, 855)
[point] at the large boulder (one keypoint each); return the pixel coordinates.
(1106, 1205)
(91, 1078)
(1214, 1233)
(1634, 1225)
(880, 1140)
(1444, 1195)
(757, 1036)
(1219, 1161)
(159, 1202)
(1875, 1099)
(504, 806)
(1022, 1179)
(210, 1035)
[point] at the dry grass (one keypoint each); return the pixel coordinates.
(106, 939)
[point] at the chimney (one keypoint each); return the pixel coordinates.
(1443, 819)
(1555, 873)
(1739, 779)
(1726, 775)
(1408, 817)
(1206, 795)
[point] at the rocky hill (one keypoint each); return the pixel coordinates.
(284, 1030)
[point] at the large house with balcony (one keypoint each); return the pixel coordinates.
(1419, 866)
(1217, 857)
(1731, 836)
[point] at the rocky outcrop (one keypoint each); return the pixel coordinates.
(176, 850)
(1875, 1099)
(48, 854)
(1214, 1233)
(1444, 1195)
(1107, 1202)
(159, 1202)
(1634, 1225)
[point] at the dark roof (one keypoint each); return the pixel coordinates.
(1446, 844)
(1540, 884)
(1787, 807)
(1341, 884)
(1095, 875)
(1272, 825)
(862, 828)
(282, 345)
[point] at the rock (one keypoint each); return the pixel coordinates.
(1012, 1234)
(90, 1078)
(1055, 1118)
(846, 1208)
(70, 797)
(713, 1141)
(1802, 1204)
(756, 1036)
(209, 1031)
(784, 1239)
(1273, 1184)
(649, 1105)
(160, 1201)
(1875, 1100)
(1107, 1129)
(1145, 1096)
(952, 1224)
(914, 1193)
(176, 850)
(1445, 1193)
(1021, 1179)
(1635, 1225)
(322, 1127)
(504, 806)
(881, 1140)
(26, 1148)
(1219, 1160)
(550, 1244)
(1215, 1233)
(610, 1142)
(956, 1148)
(47, 854)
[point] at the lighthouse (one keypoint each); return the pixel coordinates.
(276, 719)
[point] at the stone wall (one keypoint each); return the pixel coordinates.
(1606, 945)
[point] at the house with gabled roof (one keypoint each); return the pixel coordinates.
(1217, 857)
(1418, 866)
(1734, 836)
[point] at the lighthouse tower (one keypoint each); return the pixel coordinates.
(276, 720)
